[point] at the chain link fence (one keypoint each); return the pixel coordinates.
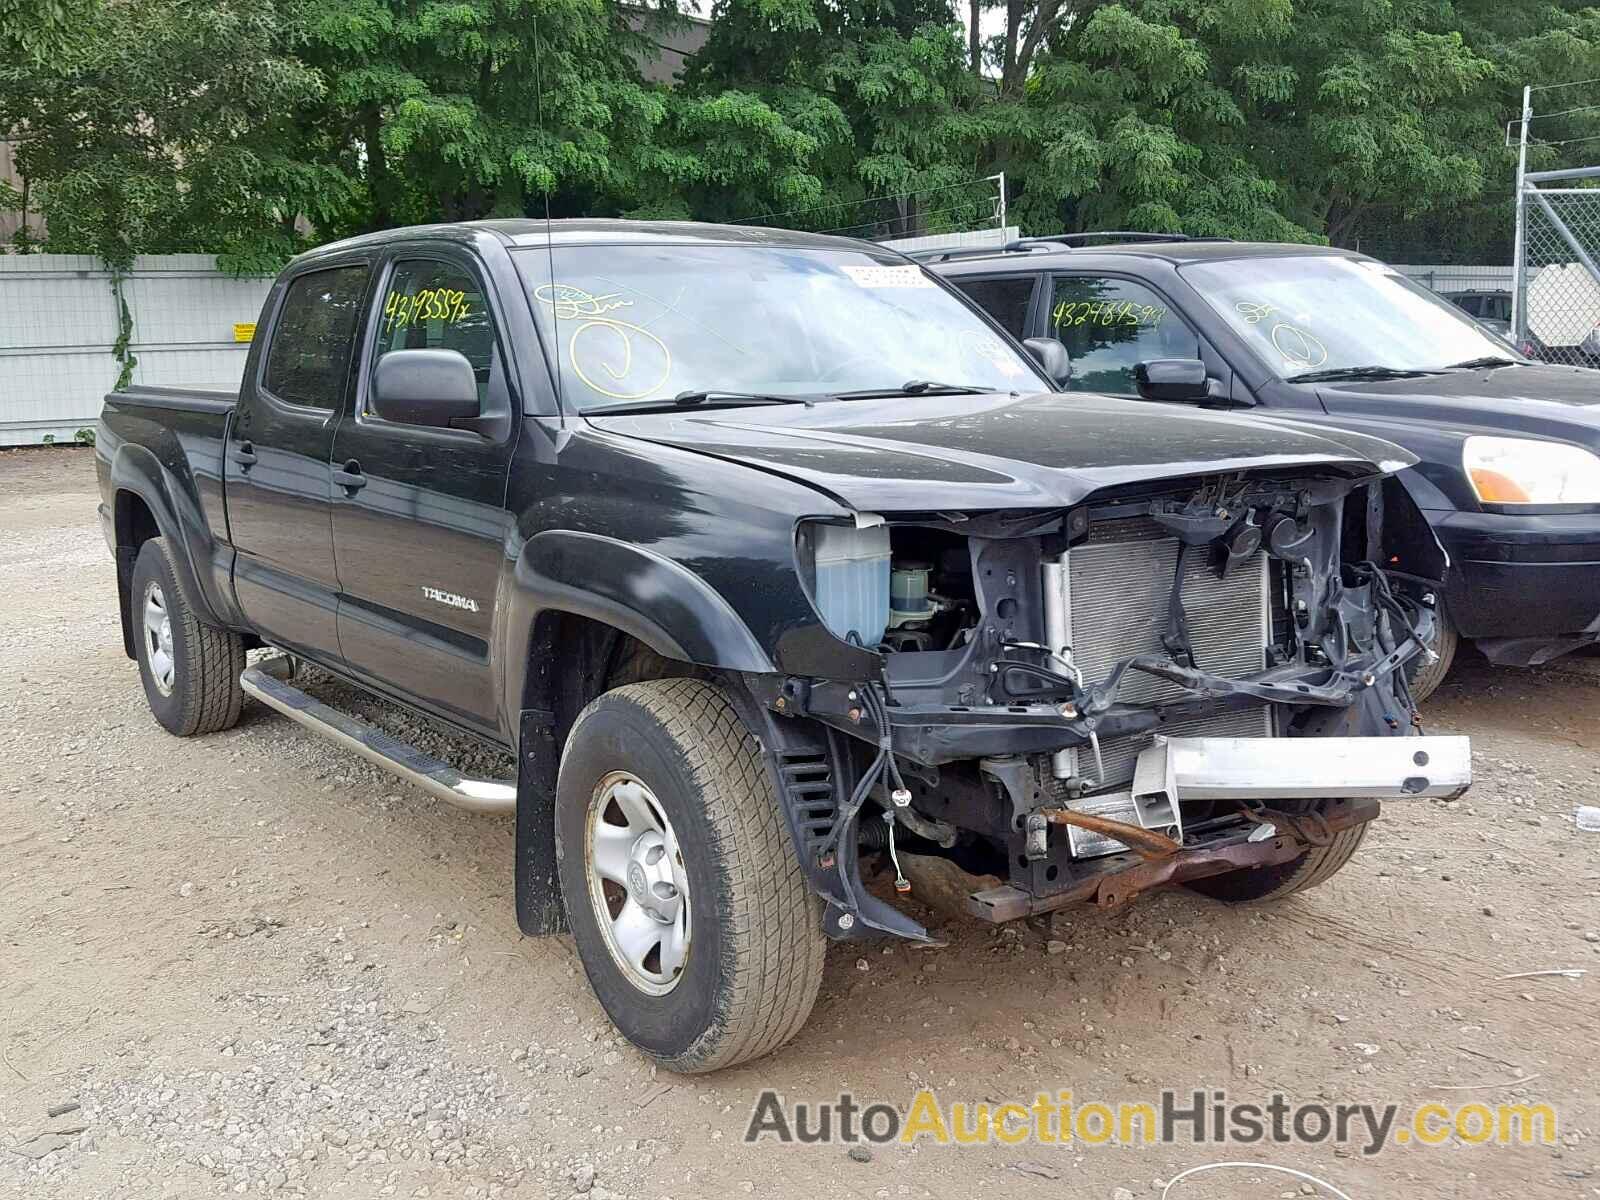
(1558, 288)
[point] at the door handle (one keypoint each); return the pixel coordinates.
(350, 477)
(245, 455)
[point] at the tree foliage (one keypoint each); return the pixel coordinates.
(147, 125)
(158, 122)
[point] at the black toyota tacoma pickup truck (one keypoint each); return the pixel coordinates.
(1509, 448)
(769, 557)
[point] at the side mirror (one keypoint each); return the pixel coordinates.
(1052, 356)
(1182, 379)
(425, 387)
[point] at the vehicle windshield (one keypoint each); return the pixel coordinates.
(1321, 315)
(639, 323)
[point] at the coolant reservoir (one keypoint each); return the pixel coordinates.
(853, 580)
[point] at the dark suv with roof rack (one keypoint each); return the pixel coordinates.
(1509, 477)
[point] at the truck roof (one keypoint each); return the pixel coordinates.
(1034, 252)
(532, 231)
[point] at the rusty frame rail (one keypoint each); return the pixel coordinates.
(1117, 881)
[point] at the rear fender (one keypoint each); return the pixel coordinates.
(175, 508)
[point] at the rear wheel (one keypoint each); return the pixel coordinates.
(1263, 885)
(190, 670)
(694, 922)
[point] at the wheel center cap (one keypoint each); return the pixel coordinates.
(637, 883)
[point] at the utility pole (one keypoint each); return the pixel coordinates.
(1519, 290)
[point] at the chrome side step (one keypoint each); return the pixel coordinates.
(268, 682)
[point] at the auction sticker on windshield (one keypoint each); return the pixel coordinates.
(887, 277)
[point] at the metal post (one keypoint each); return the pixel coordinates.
(1519, 291)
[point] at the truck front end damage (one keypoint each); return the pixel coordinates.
(1085, 703)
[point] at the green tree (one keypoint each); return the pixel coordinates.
(881, 88)
(151, 127)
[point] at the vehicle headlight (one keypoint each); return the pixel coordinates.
(1507, 470)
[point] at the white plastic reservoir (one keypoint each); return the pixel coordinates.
(853, 580)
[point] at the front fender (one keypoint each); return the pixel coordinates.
(631, 588)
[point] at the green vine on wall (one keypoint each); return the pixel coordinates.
(120, 348)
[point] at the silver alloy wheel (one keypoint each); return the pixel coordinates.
(637, 883)
(158, 639)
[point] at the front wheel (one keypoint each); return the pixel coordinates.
(1264, 885)
(693, 919)
(1425, 677)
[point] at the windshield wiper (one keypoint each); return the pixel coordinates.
(1489, 361)
(697, 399)
(918, 387)
(1357, 373)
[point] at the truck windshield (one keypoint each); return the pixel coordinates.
(633, 324)
(1315, 317)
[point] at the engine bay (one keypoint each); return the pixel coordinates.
(1030, 661)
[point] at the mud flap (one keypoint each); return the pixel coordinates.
(537, 887)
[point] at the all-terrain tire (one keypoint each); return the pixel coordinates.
(1263, 885)
(190, 670)
(755, 943)
(1425, 678)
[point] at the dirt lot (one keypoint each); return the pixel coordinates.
(257, 964)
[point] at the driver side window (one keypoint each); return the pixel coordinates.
(430, 305)
(1110, 326)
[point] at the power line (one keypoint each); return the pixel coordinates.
(920, 216)
(1566, 141)
(1547, 87)
(1565, 112)
(864, 200)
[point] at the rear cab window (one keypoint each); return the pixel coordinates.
(308, 360)
(1109, 326)
(1007, 299)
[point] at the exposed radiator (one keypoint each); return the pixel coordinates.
(1120, 580)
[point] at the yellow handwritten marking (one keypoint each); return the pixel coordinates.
(570, 303)
(427, 304)
(1298, 348)
(1098, 312)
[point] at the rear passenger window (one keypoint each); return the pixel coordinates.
(437, 306)
(1110, 326)
(1006, 300)
(309, 358)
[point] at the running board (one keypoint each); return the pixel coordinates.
(268, 683)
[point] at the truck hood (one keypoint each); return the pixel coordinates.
(907, 453)
(1532, 400)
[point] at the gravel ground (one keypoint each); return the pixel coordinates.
(255, 964)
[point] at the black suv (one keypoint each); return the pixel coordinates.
(1509, 477)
